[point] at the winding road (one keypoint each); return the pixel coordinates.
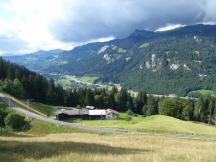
(99, 129)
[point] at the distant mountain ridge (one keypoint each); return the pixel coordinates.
(171, 62)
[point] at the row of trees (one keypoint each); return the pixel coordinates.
(202, 109)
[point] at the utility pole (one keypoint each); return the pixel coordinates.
(101, 123)
(9, 103)
(27, 102)
(58, 117)
(1, 123)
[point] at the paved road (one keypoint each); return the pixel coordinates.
(99, 129)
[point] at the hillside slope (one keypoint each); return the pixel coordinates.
(157, 123)
(171, 62)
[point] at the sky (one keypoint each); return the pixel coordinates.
(31, 25)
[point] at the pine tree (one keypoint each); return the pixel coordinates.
(140, 102)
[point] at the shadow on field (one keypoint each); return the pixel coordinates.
(18, 151)
(6, 134)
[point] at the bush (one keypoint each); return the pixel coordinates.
(130, 112)
(3, 114)
(15, 121)
(128, 118)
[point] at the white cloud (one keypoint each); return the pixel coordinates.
(169, 27)
(30, 24)
(105, 39)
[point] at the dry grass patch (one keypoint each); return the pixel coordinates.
(86, 147)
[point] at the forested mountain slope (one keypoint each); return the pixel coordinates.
(170, 62)
(25, 84)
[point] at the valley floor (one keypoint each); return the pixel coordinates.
(88, 147)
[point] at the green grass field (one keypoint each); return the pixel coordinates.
(202, 92)
(157, 123)
(43, 108)
(65, 82)
(89, 79)
(42, 128)
(38, 108)
(24, 105)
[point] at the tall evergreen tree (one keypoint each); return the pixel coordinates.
(140, 102)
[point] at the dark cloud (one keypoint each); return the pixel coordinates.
(64, 24)
(85, 20)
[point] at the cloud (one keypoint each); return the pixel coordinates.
(30, 25)
(85, 20)
(169, 27)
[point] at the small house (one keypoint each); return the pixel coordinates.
(112, 114)
(97, 114)
(73, 113)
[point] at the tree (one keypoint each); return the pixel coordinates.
(170, 107)
(140, 102)
(51, 93)
(211, 110)
(18, 89)
(99, 100)
(151, 108)
(8, 86)
(199, 109)
(188, 110)
(89, 98)
(122, 97)
(15, 121)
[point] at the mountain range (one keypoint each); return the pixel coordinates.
(171, 62)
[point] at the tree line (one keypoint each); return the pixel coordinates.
(22, 83)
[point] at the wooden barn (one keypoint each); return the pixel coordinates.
(86, 114)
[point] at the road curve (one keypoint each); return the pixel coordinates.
(32, 115)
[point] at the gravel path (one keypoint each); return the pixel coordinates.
(99, 129)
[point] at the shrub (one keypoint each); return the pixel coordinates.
(130, 112)
(15, 121)
(128, 118)
(3, 114)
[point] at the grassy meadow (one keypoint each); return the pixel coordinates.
(48, 143)
(156, 123)
(42, 128)
(88, 79)
(203, 92)
(24, 105)
(87, 147)
(43, 108)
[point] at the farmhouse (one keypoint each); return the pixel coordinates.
(112, 114)
(74, 113)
